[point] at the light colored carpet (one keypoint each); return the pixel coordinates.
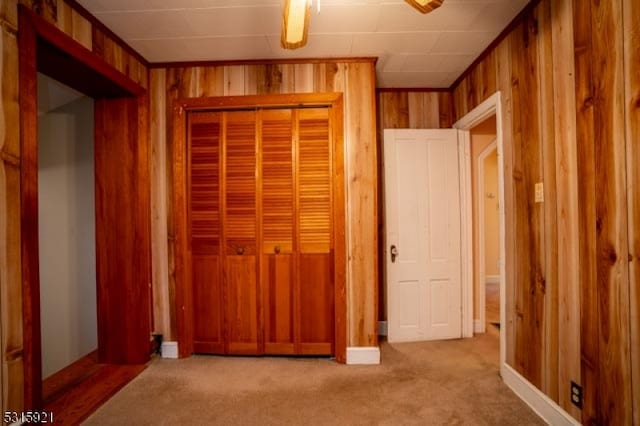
(428, 383)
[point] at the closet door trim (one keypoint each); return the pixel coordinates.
(183, 290)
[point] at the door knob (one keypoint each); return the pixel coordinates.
(276, 249)
(394, 253)
(240, 250)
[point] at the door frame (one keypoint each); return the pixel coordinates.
(44, 48)
(481, 270)
(183, 284)
(490, 106)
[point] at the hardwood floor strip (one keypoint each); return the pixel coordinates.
(82, 400)
(70, 376)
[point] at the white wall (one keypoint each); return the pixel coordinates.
(67, 234)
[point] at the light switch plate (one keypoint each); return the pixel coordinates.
(539, 189)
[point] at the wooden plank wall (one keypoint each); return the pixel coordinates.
(64, 15)
(11, 370)
(571, 108)
(356, 80)
(632, 108)
(404, 109)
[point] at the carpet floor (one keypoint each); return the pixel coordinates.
(427, 383)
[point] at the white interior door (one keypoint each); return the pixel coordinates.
(422, 202)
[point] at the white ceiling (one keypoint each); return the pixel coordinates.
(414, 50)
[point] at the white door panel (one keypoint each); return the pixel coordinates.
(422, 193)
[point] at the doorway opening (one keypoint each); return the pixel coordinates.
(66, 219)
(120, 273)
(488, 114)
(486, 253)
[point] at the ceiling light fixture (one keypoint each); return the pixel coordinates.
(295, 23)
(425, 6)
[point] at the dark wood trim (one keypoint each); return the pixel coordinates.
(508, 29)
(184, 303)
(183, 291)
(95, 384)
(67, 48)
(413, 89)
(188, 64)
(28, 89)
(97, 24)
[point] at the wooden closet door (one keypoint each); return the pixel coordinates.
(240, 231)
(314, 225)
(204, 134)
(277, 189)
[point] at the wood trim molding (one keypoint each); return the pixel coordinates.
(540, 403)
(104, 29)
(27, 40)
(183, 291)
(50, 35)
(491, 106)
(304, 61)
(413, 89)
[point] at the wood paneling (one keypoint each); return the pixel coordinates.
(568, 82)
(566, 187)
(614, 387)
(529, 215)
(11, 364)
(550, 224)
(159, 193)
(361, 171)
(632, 102)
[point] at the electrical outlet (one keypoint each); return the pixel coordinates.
(576, 394)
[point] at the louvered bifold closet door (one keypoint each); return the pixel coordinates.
(240, 231)
(314, 226)
(278, 213)
(204, 230)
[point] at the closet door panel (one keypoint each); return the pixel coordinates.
(315, 272)
(240, 183)
(240, 232)
(316, 301)
(204, 230)
(277, 215)
(277, 279)
(277, 181)
(242, 318)
(207, 295)
(314, 181)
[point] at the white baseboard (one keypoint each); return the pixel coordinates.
(544, 406)
(477, 326)
(492, 279)
(368, 355)
(382, 328)
(169, 349)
